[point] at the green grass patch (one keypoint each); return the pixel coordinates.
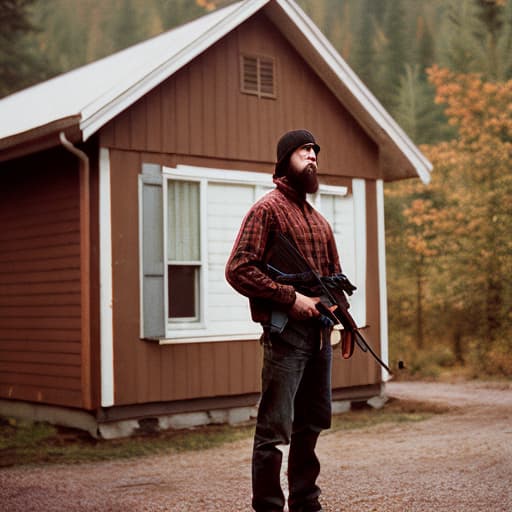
(395, 411)
(40, 443)
(23, 443)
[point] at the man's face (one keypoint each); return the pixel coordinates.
(302, 169)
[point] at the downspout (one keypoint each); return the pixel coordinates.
(85, 270)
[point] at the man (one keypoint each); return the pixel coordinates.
(295, 402)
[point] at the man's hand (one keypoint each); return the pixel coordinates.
(304, 307)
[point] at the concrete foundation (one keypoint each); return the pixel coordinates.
(150, 424)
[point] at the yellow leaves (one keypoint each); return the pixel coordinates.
(456, 231)
(419, 246)
(475, 106)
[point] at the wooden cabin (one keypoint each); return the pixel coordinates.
(122, 186)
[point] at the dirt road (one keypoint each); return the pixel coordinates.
(453, 462)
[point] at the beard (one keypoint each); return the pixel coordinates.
(305, 180)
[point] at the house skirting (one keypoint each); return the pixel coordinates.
(124, 421)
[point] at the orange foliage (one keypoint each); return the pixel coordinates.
(482, 111)
(208, 5)
(458, 228)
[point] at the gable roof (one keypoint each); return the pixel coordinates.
(85, 99)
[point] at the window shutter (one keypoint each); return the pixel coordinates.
(258, 76)
(249, 74)
(151, 233)
(266, 73)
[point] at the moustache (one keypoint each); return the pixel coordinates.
(310, 169)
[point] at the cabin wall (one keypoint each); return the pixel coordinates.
(145, 371)
(200, 117)
(40, 304)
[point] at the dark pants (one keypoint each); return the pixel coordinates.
(295, 406)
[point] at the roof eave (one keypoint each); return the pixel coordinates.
(100, 112)
(40, 138)
(315, 48)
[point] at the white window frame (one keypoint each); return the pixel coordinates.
(187, 323)
(191, 332)
(188, 331)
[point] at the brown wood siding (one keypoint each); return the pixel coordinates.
(200, 117)
(40, 352)
(201, 113)
(145, 371)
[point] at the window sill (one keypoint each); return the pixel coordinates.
(209, 339)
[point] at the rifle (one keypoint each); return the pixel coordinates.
(287, 265)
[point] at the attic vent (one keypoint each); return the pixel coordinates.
(258, 76)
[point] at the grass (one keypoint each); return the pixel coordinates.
(395, 411)
(23, 443)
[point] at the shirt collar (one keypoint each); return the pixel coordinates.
(284, 186)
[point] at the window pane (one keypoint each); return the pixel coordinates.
(183, 286)
(183, 221)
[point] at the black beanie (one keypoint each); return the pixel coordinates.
(287, 144)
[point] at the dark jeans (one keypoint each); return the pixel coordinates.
(295, 406)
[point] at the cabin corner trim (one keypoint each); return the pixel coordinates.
(106, 297)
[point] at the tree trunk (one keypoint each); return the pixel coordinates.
(419, 307)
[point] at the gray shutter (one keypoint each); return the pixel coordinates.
(151, 237)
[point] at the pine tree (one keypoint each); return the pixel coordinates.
(20, 64)
(415, 110)
(495, 47)
(477, 38)
(424, 52)
(363, 55)
(177, 12)
(126, 27)
(395, 55)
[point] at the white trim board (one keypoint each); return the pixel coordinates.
(359, 194)
(383, 298)
(261, 179)
(106, 316)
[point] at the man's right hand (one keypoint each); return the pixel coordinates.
(304, 307)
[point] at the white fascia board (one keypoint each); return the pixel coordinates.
(353, 83)
(98, 113)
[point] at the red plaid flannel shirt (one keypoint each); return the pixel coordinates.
(286, 211)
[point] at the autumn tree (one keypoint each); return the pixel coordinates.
(457, 231)
(478, 166)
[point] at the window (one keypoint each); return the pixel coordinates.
(190, 217)
(257, 76)
(183, 250)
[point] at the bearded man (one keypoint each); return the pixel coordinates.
(295, 404)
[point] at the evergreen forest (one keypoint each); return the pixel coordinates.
(443, 70)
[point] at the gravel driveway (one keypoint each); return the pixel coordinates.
(457, 461)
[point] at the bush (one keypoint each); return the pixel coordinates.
(426, 364)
